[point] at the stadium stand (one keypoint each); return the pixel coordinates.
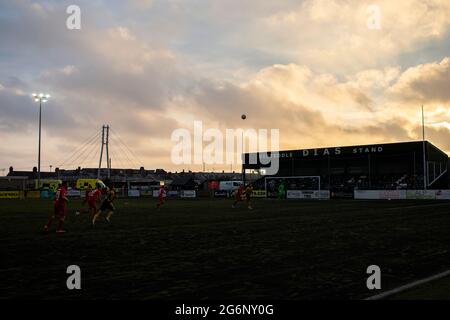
(390, 166)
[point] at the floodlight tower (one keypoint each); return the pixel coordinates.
(104, 143)
(243, 117)
(41, 98)
(425, 175)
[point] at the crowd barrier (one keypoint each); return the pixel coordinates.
(134, 193)
(308, 194)
(33, 195)
(177, 194)
(290, 194)
(402, 194)
(74, 193)
(259, 193)
(11, 194)
(221, 194)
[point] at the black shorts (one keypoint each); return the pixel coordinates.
(107, 206)
(247, 196)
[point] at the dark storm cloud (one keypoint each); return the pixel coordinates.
(425, 83)
(20, 113)
(97, 80)
(361, 98)
(95, 75)
(16, 112)
(391, 130)
(439, 136)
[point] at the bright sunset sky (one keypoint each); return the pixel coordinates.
(311, 68)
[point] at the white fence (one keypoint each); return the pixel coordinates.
(177, 194)
(402, 194)
(308, 194)
(188, 194)
(74, 193)
(134, 193)
(314, 194)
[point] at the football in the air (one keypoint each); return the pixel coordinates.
(243, 117)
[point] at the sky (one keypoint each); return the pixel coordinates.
(317, 70)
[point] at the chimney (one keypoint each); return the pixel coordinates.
(11, 170)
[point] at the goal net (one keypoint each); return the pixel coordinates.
(299, 187)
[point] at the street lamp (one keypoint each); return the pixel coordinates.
(243, 117)
(41, 97)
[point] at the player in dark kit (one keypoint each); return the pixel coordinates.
(248, 195)
(59, 208)
(107, 205)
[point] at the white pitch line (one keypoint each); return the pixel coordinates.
(408, 286)
(421, 205)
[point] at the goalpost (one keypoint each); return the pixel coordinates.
(295, 187)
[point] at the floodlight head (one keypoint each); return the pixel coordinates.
(47, 96)
(34, 95)
(41, 95)
(36, 99)
(44, 100)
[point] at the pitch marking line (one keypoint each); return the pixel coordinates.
(409, 286)
(420, 205)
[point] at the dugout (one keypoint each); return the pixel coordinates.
(376, 166)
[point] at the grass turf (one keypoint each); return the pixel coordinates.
(203, 249)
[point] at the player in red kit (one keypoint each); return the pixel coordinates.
(92, 199)
(85, 208)
(161, 192)
(59, 208)
(238, 195)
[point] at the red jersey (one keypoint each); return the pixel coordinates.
(161, 192)
(239, 192)
(93, 195)
(60, 196)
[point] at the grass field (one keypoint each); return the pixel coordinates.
(200, 249)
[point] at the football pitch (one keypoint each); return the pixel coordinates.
(204, 249)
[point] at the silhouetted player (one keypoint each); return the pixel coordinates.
(281, 191)
(161, 192)
(59, 208)
(238, 195)
(248, 195)
(85, 207)
(107, 205)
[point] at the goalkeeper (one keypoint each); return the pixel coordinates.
(281, 191)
